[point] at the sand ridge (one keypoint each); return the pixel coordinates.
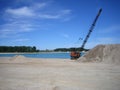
(109, 54)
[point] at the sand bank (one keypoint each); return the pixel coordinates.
(21, 73)
(109, 54)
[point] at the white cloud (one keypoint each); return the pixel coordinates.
(37, 10)
(56, 15)
(23, 11)
(26, 11)
(24, 19)
(48, 16)
(12, 29)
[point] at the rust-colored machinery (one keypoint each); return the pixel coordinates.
(74, 54)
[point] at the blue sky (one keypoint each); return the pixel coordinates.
(50, 24)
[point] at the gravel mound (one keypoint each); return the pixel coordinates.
(109, 54)
(18, 59)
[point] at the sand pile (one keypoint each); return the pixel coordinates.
(18, 59)
(109, 54)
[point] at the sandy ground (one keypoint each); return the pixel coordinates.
(57, 74)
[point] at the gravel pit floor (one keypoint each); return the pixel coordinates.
(57, 74)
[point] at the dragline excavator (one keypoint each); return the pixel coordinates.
(74, 54)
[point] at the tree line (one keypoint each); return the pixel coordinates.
(70, 49)
(34, 49)
(18, 49)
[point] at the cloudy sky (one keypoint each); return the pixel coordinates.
(50, 24)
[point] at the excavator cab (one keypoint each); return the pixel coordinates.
(74, 54)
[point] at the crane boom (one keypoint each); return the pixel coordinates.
(91, 28)
(74, 54)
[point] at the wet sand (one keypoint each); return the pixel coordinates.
(57, 74)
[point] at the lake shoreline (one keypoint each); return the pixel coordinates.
(29, 52)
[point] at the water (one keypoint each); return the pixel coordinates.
(61, 55)
(41, 55)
